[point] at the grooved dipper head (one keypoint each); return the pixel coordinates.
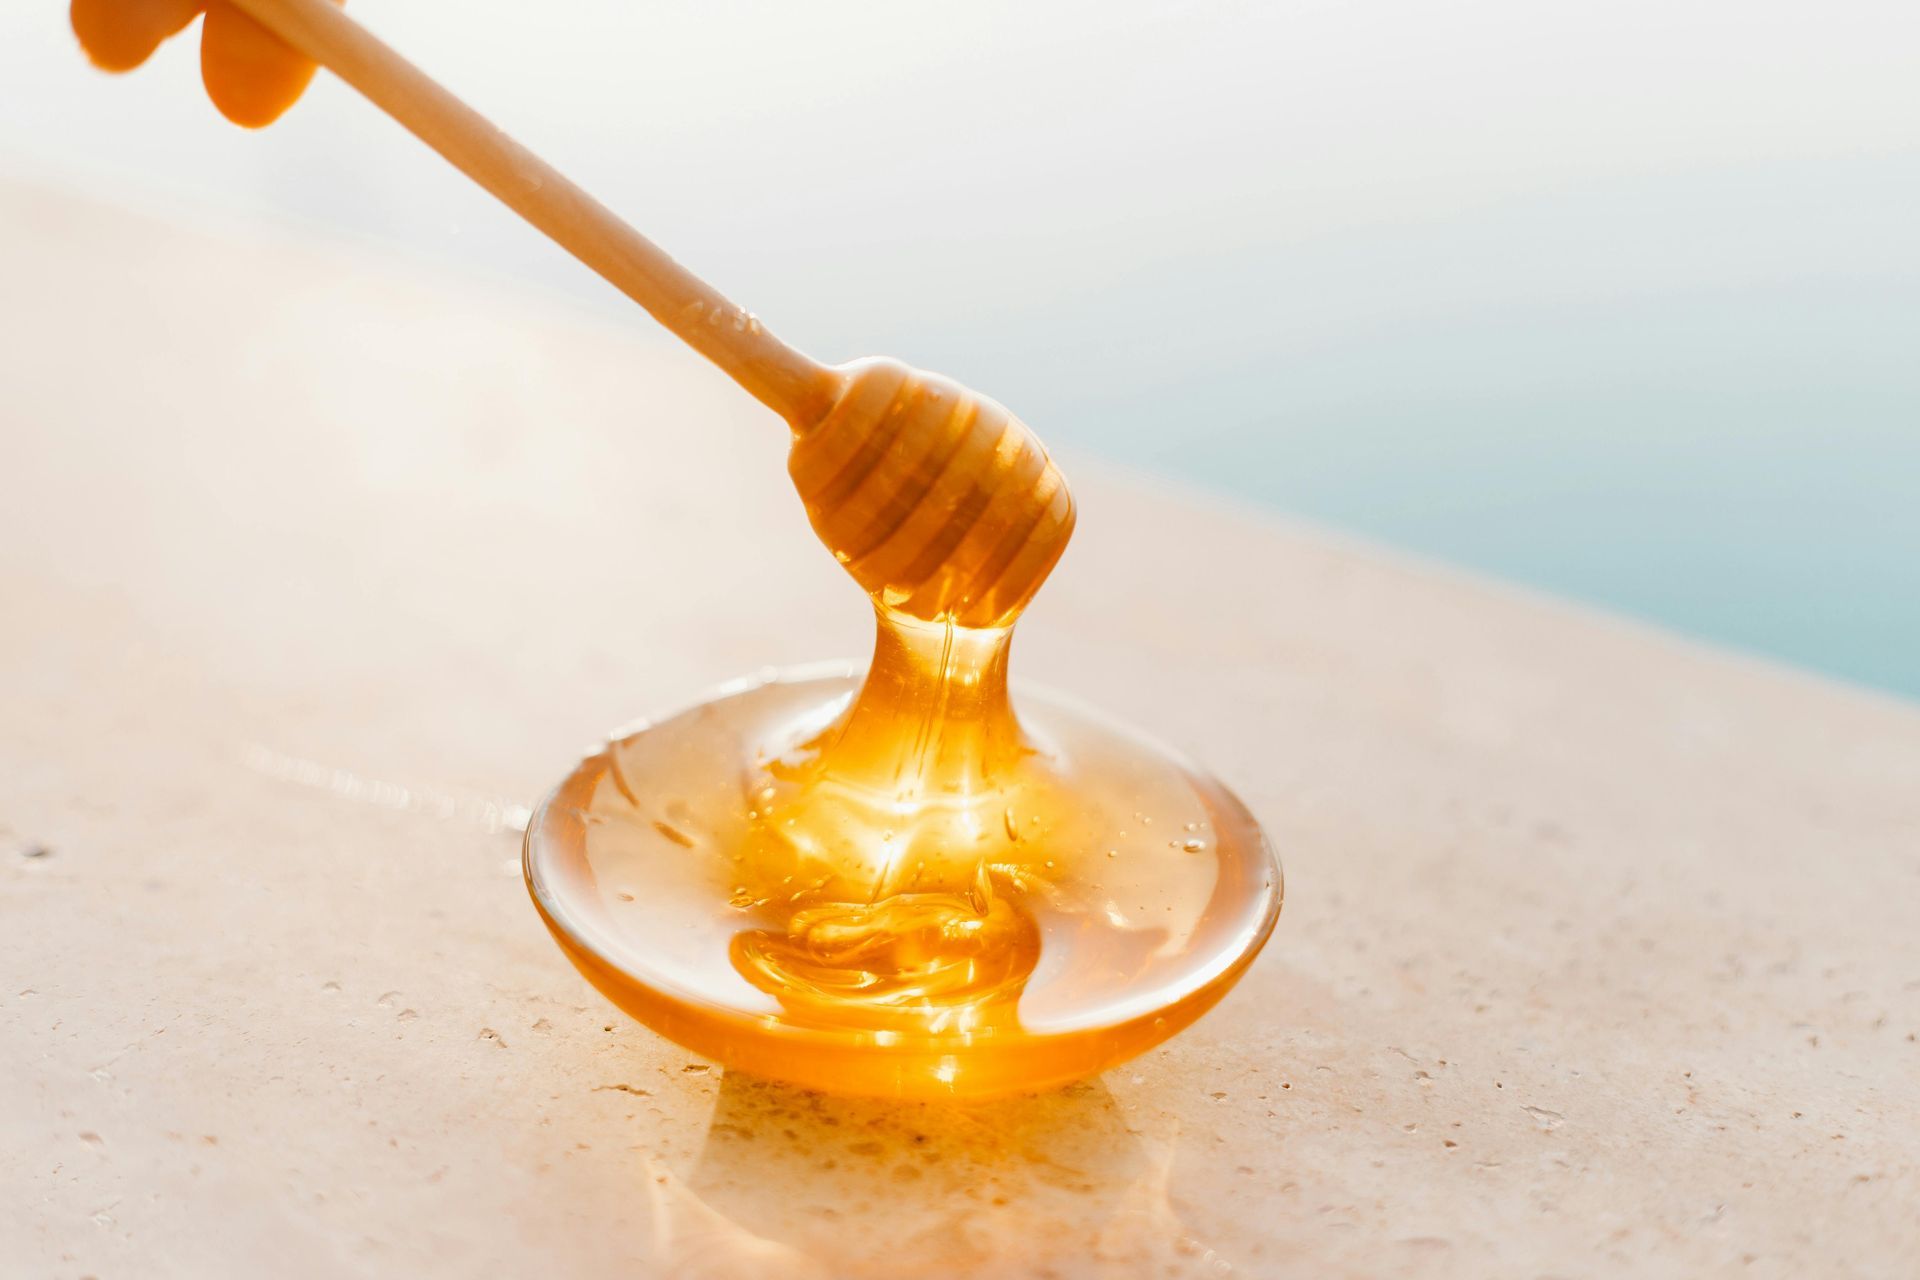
(938, 501)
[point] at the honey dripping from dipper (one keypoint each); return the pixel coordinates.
(895, 885)
(901, 883)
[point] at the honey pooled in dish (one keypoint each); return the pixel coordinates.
(896, 884)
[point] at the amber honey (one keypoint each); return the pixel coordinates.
(896, 885)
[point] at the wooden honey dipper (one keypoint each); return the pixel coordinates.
(937, 500)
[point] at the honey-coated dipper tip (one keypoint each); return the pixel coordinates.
(938, 501)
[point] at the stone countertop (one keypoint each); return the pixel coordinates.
(1601, 954)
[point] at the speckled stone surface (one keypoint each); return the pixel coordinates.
(1601, 953)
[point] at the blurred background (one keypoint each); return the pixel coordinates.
(1617, 300)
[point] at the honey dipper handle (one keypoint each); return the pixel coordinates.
(789, 383)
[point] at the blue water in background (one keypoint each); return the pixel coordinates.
(1778, 510)
(1742, 467)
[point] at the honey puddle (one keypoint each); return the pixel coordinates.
(896, 885)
